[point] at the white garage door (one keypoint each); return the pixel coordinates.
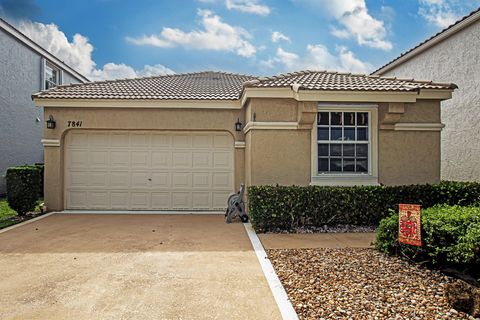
(146, 170)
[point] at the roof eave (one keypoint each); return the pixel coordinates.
(346, 95)
(429, 43)
(136, 103)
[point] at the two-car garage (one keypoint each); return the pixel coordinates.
(148, 170)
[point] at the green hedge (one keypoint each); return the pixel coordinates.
(24, 186)
(450, 236)
(290, 207)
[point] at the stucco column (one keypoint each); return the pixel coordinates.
(53, 180)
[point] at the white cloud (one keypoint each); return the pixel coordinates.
(354, 22)
(318, 57)
(441, 13)
(277, 36)
(78, 53)
(215, 35)
(248, 6)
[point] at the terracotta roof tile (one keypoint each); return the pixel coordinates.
(211, 85)
(208, 85)
(332, 81)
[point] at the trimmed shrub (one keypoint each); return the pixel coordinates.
(23, 188)
(289, 207)
(450, 236)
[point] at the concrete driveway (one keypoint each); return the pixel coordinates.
(131, 267)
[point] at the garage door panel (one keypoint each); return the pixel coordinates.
(140, 140)
(201, 180)
(222, 160)
(77, 199)
(181, 200)
(99, 139)
(161, 200)
(182, 159)
(78, 159)
(161, 180)
(119, 200)
(140, 179)
(120, 140)
(98, 199)
(78, 139)
(181, 180)
(141, 170)
(203, 141)
(140, 159)
(120, 159)
(201, 200)
(181, 141)
(219, 199)
(140, 200)
(119, 179)
(98, 159)
(161, 159)
(202, 160)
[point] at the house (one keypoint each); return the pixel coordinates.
(25, 68)
(451, 55)
(185, 141)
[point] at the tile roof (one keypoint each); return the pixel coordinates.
(332, 81)
(460, 24)
(212, 85)
(208, 85)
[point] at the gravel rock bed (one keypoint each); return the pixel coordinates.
(360, 284)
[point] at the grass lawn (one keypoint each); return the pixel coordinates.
(9, 217)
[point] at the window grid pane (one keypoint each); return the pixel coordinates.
(343, 142)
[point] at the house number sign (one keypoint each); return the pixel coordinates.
(74, 124)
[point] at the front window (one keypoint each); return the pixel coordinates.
(52, 76)
(343, 142)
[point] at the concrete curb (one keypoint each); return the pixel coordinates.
(283, 302)
(26, 222)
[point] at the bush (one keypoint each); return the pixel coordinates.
(23, 188)
(450, 236)
(290, 207)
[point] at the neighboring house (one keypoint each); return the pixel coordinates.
(25, 68)
(185, 141)
(451, 55)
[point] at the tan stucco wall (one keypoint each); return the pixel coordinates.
(274, 110)
(131, 119)
(271, 156)
(410, 157)
(279, 156)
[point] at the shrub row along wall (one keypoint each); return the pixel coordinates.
(450, 238)
(290, 207)
(24, 187)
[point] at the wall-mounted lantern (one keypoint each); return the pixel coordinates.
(50, 122)
(238, 125)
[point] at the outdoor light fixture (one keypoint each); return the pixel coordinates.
(238, 125)
(50, 122)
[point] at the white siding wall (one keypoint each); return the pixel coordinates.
(457, 60)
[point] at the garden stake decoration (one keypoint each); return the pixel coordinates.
(409, 228)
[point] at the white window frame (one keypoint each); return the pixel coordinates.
(59, 71)
(348, 178)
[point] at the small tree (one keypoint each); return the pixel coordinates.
(23, 188)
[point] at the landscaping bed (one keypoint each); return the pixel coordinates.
(9, 217)
(360, 284)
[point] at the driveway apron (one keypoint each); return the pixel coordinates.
(132, 267)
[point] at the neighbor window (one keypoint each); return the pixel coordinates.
(52, 76)
(343, 142)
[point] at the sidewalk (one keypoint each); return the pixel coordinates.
(316, 240)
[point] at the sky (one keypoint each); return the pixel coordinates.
(108, 39)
